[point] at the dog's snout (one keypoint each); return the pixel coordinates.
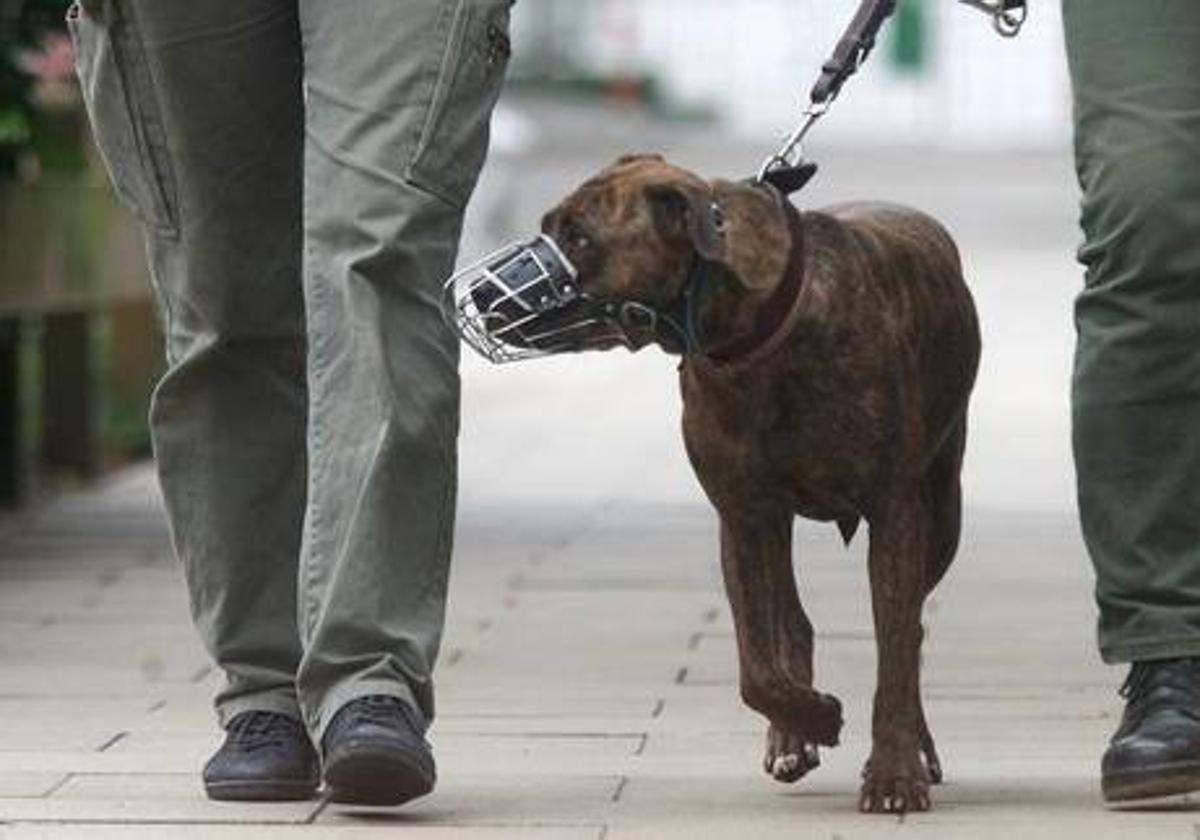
(551, 222)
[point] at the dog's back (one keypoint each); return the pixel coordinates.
(894, 280)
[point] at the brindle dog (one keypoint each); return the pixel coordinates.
(838, 349)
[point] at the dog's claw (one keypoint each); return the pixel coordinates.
(933, 764)
(934, 767)
(789, 757)
(895, 786)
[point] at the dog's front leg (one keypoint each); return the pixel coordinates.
(775, 642)
(895, 778)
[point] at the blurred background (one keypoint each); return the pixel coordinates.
(946, 116)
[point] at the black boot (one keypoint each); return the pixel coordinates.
(375, 753)
(266, 757)
(1156, 750)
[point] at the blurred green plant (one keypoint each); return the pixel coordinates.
(34, 72)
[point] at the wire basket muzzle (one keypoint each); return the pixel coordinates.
(524, 301)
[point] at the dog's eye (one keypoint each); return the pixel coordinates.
(575, 239)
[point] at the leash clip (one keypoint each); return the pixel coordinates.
(788, 170)
(1008, 16)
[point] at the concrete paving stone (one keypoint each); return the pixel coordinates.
(71, 737)
(28, 785)
(532, 798)
(371, 830)
(88, 603)
(559, 681)
(69, 566)
(688, 708)
(738, 755)
(659, 801)
(542, 726)
(131, 786)
(631, 583)
(620, 551)
(600, 651)
(541, 700)
(145, 798)
(724, 807)
(97, 679)
(594, 753)
(467, 752)
(45, 712)
(107, 762)
(884, 828)
(130, 643)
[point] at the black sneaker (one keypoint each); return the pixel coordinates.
(1156, 750)
(375, 753)
(266, 757)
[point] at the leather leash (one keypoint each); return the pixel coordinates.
(787, 170)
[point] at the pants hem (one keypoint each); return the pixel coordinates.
(1117, 654)
(318, 720)
(267, 701)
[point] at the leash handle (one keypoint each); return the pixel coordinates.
(852, 50)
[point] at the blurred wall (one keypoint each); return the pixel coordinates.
(940, 77)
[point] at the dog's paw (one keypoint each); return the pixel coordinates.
(933, 764)
(789, 756)
(895, 782)
(823, 720)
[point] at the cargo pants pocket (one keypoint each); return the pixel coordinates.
(454, 137)
(118, 92)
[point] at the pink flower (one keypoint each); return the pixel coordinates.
(53, 62)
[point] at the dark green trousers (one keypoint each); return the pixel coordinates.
(1135, 67)
(301, 168)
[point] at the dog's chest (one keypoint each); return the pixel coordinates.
(786, 441)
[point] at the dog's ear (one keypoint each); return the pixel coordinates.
(639, 156)
(757, 238)
(687, 211)
(738, 226)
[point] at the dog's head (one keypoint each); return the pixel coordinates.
(635, 229)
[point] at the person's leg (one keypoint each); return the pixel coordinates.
(197, 108)
(1136, 74)
(1135, 68)
(398, 99)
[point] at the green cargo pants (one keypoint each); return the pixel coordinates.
(1135, 68)
(301, 169)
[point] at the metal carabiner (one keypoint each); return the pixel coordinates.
(1008, 16)
(791, 154)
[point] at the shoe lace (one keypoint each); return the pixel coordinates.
(1135, 683)
(380, 710)
(253, 731)
(1141, 689)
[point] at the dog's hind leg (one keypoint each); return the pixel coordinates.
(945, 491)
(933, 763)
(895, 778)
(775, 642)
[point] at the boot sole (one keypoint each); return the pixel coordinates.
(370, 775)
(1152, 782)
(263, 791)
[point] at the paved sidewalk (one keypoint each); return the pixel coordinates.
(587, 687)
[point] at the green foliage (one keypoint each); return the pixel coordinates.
(23, 25)
(909, 37)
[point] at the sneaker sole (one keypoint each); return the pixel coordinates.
(368, 775)
(273, 791)
(1152, 782)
